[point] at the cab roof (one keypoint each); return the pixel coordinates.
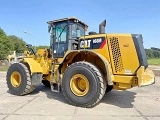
(65, 19)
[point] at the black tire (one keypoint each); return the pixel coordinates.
(46, 83)
(97, 85)
(25, 86)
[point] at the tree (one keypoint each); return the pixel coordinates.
(18, 44)
(152, 53)
(10, 43)
(5, 45)
(42, 47)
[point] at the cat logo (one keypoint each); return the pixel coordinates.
(85, 44)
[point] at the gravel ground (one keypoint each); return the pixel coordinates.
(138, 103)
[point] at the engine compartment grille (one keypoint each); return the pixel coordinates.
(118, 64)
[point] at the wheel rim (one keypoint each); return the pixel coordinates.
(79, 85)
(15, 79)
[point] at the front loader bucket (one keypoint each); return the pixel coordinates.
(145, 77)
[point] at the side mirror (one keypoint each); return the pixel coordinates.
(29, 46)
(49, 28)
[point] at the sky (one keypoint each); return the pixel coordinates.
(123, 16)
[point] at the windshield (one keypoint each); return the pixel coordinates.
(61, 32)
(75, 31)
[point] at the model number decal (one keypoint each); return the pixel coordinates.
(99, 40)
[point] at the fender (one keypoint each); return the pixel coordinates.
(33, 65)
(72, 54)
(108, 68)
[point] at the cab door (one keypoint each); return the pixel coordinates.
(60, 44)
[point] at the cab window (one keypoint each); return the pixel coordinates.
(75, 31)
(61, 32)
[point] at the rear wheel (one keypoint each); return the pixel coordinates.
(83, 84)
(19, 79)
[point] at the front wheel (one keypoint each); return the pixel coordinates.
(19, 80)
(83, 84)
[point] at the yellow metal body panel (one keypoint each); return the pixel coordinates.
(43, 60)
(33, 65)
(92, 57)
(124, 82)
(56, 74)
(45, 65)
(40, 62)
(145, 77)
(123, 54)
(48, 77)
(103, 51)
(148, 77)
(120, 51)
(59, 60)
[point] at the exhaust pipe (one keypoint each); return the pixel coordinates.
(102, 27)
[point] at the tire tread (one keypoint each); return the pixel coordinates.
(28, 88)
(101, 81)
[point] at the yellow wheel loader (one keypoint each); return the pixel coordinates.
(84, 67)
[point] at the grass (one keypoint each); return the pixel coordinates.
(154, 61)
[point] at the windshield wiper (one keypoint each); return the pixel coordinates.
(61, 33)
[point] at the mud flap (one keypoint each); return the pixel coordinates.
(145, 77)
(36, 79)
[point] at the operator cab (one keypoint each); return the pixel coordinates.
(65, 34)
